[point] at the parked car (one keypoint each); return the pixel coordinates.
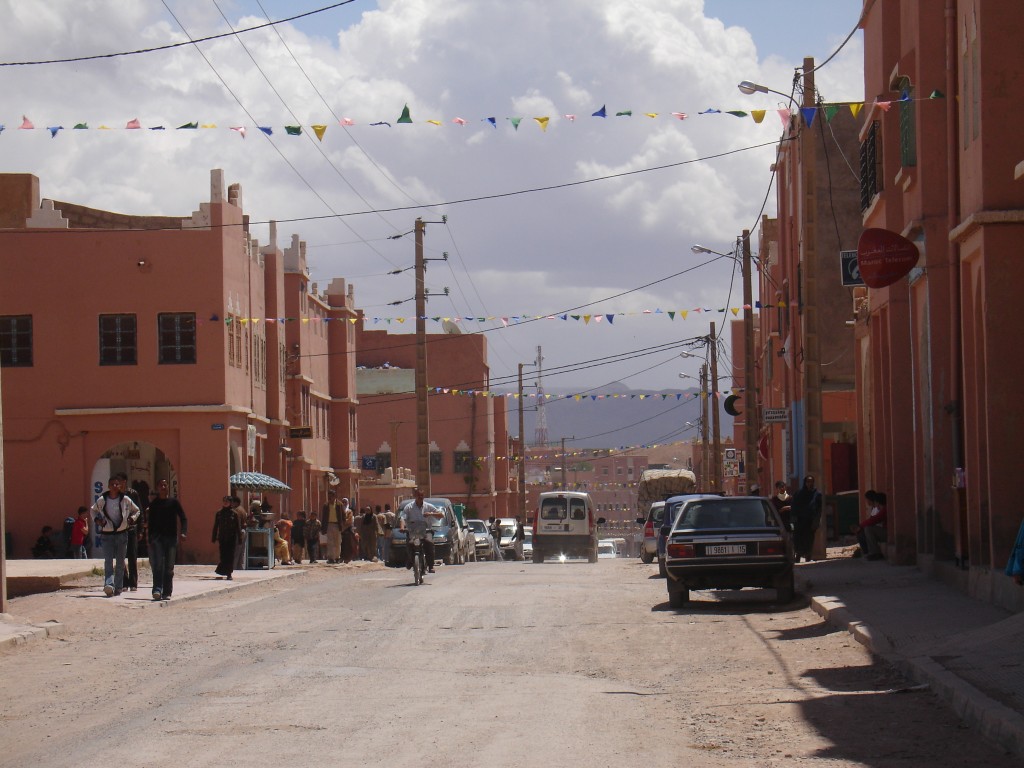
(651, 524)
(507, 527)
(528, 542)
(565, 525)
(727, 543)
(483, 542)
(447, 535)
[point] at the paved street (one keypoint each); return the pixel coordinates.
(498, 664)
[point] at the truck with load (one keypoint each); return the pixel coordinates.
(655, 486)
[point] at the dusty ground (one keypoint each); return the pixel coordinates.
(497, 664)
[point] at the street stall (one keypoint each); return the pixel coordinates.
(258, 552)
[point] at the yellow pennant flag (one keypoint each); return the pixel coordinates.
(735, 311)
(542, 122)
(319, 130)
(434, 122)
(855, 109)
(683, 313)
(758, 114)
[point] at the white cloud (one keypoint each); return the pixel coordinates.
(534, 253)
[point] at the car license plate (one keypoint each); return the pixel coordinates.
(725, 549)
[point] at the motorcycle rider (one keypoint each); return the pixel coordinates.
(415, 519)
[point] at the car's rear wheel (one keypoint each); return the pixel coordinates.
(592, 556)
(538, 557)
(678, 598)
(646, 557)
(785, 588)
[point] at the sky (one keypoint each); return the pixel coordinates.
(590, 216)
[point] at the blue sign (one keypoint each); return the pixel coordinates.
(216, 427)
(850, 268)
(369, 462)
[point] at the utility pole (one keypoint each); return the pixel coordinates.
(750, 415)
(705, 466)
(565, 479)
(422, 412)
(716, 445)
(522, 450)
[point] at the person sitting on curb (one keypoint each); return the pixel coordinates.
(871, 529)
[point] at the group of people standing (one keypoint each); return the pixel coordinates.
(801, 514)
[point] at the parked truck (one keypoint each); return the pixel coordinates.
(659, 484)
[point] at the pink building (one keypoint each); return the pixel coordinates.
(469, 443)
(164, 347)
(804, 367)
(937, 365)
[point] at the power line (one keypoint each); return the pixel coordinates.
(174, 45)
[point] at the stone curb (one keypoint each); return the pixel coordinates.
(996, 722)
(15, 632)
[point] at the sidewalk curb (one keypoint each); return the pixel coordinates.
(996, 722)
(226, 586)
(23, 633)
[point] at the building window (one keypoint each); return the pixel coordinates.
(177, 338)
(435, 462)
(383, 461)
(118, 343)
(908, 127)
(16, 341)
(870, 166)
(462, 462)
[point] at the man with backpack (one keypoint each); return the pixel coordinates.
(113, 514)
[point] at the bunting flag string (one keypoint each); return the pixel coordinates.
(584, 397)
(595, 319)
(806, 114)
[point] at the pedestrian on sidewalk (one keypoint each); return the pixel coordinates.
(872, 529)
(228, 533)
(79, 533)
(299, 537)
(112, 513)
(349, 543)
(368, 535)
(782, 501)
(331, 520)
(518, 537)
(135, 529)
(163, 516)
(1015, 566)
(312, 531)
(389, 532)
(806, 512)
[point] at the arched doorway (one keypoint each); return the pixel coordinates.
(144, 464)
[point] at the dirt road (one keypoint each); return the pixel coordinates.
(496, 664)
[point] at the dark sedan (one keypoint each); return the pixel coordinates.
(727, 543)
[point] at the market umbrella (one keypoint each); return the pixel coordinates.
(257, 481)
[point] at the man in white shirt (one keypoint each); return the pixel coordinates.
(113, 513)
(417, 516)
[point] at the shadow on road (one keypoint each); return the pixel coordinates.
(735, 601)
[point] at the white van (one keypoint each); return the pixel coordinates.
(564, 524)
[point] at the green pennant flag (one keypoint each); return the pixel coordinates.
(81, 126)
(405, 118)
(671, 315)
(625, 113)
(293, 130)
(515, 122)
(189, 126)
(831, 110)
(736, 113)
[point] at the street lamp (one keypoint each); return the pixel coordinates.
(749, 88)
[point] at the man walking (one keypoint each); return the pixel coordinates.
(113, 513)
(330, 521)
(164, 514)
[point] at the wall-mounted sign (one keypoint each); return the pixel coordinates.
(850, 269)
(884, 257)
(300, 432)
(216, 427)
(774, 415)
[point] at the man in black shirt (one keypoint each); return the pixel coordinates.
(164, 514)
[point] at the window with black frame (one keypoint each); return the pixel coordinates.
(16, 341)
(118, 340)
(176, 338)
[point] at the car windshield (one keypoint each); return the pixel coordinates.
(720, 513)
(477, 526)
